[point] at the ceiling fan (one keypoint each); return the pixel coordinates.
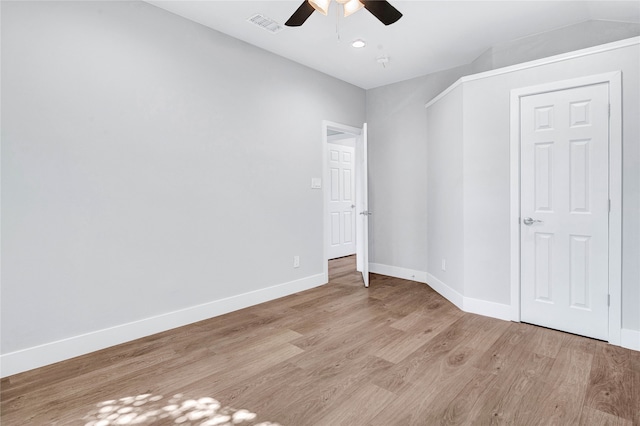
(381, 9)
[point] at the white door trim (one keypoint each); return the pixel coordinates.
(614, 79)
(326, 125)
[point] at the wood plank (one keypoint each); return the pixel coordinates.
(313, 403)
(458, 409)
(611, 389)
(562, 399)
(591, 416)
(512, 398)
(359, 408)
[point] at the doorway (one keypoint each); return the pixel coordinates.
(346, 212)
(566, 197)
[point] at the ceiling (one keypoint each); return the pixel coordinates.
(431, 36)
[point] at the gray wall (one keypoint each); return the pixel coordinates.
(567, 39)
(398, 135)
(445, 190)
(150, 164)
(397, 173)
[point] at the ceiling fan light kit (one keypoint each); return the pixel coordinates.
(381, 9)
(350, 6)
(321, 6)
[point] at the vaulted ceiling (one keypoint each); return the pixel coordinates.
(431, 36)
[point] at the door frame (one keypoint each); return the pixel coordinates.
(614, 80)
(330, 125)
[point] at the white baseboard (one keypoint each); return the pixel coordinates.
(397, 272)
(469, 304)
(489, 309)
(630, 339)
(445, 291)
(49, 353)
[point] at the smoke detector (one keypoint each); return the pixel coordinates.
(383, 60)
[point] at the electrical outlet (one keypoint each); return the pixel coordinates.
(444, 265)
(296, 261)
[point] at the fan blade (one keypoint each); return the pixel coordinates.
(382, 10)
(300, 15)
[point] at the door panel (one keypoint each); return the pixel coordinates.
(341, 201)
(363, 216)
(564, 192)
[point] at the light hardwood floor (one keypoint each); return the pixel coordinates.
(394, 354)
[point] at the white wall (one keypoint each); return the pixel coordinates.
(485, 174)
(397, 172)
(561, 40)
(398, 151)
(486, 178)
(151, 165)
(445, 191)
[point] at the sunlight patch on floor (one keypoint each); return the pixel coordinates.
(149, 409)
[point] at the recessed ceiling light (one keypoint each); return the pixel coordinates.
(358, 43)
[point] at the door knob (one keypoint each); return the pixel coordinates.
(353, 206)
(529, 221)
(366, 213)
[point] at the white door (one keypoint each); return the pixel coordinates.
(564, 209)
(342, 218)
(363, 206)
